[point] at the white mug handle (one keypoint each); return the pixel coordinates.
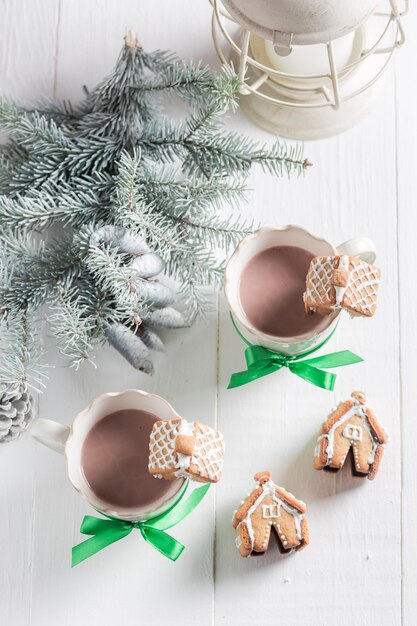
(361, 247)
(51, 434)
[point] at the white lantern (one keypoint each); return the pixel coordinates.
(309, 68)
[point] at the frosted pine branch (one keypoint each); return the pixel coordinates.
(167, 187)
(35, 271)
(190, 83)
(20, 365)
(117, 279)
(98, 197)
(71, 325)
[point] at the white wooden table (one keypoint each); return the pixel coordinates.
(361, 566)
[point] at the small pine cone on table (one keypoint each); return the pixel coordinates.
(16, 413)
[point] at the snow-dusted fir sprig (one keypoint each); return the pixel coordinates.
(149, 193)
(74, 329)
(20, 364)
(38, 211)
(195, 272)
(32, 129)
(61, 111)
(114, 276)
(195, 195)
(232, 153)
(184, 222)
(190, 83)
(130, 192)
(37, 269)
(130, 210)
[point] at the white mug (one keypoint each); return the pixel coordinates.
(69, 441)
(269, 237)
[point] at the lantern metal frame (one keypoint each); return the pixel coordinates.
(267, 76)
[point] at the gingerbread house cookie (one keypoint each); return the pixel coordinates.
(351, 426)
(341, 282)
(266, 507)
(178, 448)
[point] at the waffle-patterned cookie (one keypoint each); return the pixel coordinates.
(352, 425)
(266, 507)
(341, 282)
(178, 448)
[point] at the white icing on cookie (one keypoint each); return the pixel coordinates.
(339, 290)
(207, 455)
(320, 281)
(184, 460)
(271, 512)
(352, 432)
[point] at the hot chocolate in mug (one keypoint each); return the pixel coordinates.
(251, 270)
(107, 450)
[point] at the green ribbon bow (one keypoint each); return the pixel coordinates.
(106, 531)
(260, 362)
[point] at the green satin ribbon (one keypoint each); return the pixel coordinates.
(106, 531)
(261, 361)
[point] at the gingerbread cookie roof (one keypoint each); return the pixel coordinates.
(178, 448)
(342, 282)
(357, 404)
(354, 425)
(280, 492)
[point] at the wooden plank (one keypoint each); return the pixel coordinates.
(342, 577)
(27, 45)
(138, 583)
(406, 120)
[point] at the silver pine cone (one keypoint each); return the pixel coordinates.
(16, 413)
